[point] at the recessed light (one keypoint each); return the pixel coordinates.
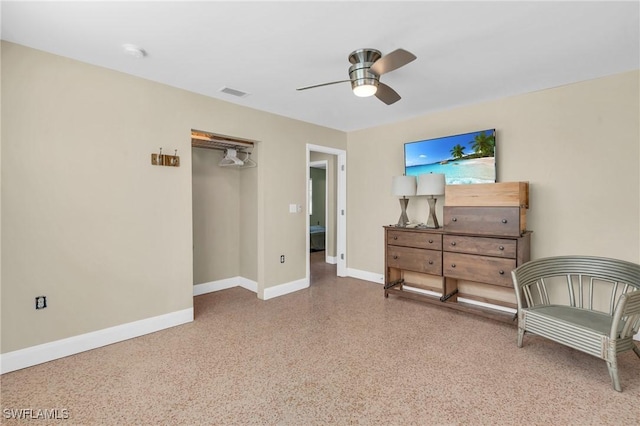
(133, 50)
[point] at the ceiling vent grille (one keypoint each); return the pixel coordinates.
(234, 92)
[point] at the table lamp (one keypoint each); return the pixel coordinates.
(431, 184)
(403, 186)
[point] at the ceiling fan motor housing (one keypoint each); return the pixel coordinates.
(362, 60)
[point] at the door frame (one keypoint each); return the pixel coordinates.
(341, 207)
(324, 164)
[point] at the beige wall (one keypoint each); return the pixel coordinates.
(318, 178)
(577, 145)
(283, 182)
(88, 222)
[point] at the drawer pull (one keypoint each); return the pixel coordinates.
(454, 219)
(430, 241)
(395, 238)
(395, 256)
(501, 248)
(501, 272)
(453, 265)
(504, 220)
(453, 243)
(431, 262)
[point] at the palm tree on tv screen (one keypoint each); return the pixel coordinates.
(457, 151)
(484, 144)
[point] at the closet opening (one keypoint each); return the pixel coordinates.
(225, 192)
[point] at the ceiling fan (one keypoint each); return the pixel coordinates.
(368, 66)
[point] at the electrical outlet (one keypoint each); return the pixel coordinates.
(282, 258)
(41, 302)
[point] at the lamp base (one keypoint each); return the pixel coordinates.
(404, 219)
(432, 221)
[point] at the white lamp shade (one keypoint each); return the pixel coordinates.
(431, 184)
(403, 186)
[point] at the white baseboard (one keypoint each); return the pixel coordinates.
(282, 289)
(332, 260)
(365, 275)
(269, 293)
(248, 284)
(224, 284)
(39, 354)
(212, 286)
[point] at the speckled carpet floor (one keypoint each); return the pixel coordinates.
(337, 353)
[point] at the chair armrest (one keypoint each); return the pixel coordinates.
(628, 309)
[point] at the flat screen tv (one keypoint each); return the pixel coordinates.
(465, 158)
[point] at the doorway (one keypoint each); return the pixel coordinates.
(335, 210)
(321, 216)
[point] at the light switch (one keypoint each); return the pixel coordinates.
(293, 208)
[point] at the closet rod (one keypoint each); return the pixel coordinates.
(208, 140)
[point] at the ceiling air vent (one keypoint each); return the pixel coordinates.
(234, 92)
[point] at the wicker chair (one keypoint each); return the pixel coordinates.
(591, 304)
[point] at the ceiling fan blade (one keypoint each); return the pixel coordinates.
(323, 84)
(386, 94)
(394, 60)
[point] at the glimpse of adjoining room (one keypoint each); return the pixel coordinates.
(317, 206)
(322, 215)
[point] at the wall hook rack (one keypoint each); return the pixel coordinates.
(161, 159)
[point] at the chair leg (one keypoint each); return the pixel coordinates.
(613, 373)
(520, 336)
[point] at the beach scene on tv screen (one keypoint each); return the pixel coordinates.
(466, 158)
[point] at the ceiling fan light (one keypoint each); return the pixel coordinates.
(365, 90)
(364, 86)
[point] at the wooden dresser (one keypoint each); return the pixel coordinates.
(471, 257)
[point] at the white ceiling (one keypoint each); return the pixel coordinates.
(467, 52)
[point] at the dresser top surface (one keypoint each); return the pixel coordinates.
(415, 229)
(442, 231)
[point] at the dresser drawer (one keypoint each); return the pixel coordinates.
(484, 269)
(501, 221)
(412, 259)
(415, 239)
(480, 245)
